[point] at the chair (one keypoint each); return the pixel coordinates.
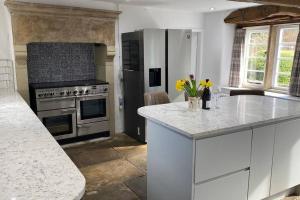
(154, 98)
(247, 92)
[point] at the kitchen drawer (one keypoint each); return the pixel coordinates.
(231, 187)
(222, 155)
(55, 103)
(96, 127)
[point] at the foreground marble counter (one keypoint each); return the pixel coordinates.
(32, 164)
(234, 114)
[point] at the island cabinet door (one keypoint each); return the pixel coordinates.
(231, 187)
(261, 162)
(286, 161)
(222, 155)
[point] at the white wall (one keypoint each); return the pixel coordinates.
(217, 48)
(135, 18)
(5, 33)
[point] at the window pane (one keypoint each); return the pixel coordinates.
(257, 64)
(285, 65)
(256, 56)
(289, 35)
(259, 37)
(255, 77)
(283, 80)
(258, 51)
(286, 52)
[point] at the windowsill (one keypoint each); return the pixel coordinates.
(281, 96)
(270, 93)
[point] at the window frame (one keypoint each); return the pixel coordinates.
(245, 57)
(276, 56)
(271, 60)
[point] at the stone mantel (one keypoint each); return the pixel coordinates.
(32, 22)
(16, 7)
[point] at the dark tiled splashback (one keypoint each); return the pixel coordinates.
(56, 62)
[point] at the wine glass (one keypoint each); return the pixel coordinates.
(216, 93)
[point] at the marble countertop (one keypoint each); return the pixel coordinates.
(234, 114)
(32, 164)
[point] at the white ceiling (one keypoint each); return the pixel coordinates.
(184, 5)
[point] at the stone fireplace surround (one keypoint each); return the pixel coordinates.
(33, 22)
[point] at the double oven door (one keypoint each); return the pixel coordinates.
(93, 108)
(72, 117)
(60, 123)
(59, 116)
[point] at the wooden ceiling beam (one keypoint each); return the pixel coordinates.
(288, 3)
(264, 15)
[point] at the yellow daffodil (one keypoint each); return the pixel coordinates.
(190, 86)
(180, 85)
(209, 84)
(205, 83)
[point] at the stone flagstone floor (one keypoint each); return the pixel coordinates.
(114, 169)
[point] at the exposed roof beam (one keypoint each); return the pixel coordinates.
(288, 3)
(264, 15)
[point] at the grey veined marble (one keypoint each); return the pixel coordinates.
(234, 114)
(32, 164)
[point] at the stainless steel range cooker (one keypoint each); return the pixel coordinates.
(72, 109)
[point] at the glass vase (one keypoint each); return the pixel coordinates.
(193, 103)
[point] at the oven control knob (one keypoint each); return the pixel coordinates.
(75, 92)
(68, 93)
(105, 89)
(87, 92)
(80, 92)
(62, 93)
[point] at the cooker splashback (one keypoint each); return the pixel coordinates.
(57, 62)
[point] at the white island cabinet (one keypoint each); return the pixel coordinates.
(248, 149)
(286, 161)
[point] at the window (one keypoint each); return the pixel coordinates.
(285, 56)
(256, 56)
(269, 56)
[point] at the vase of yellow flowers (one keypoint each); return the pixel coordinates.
(206, 94)
(191, 89)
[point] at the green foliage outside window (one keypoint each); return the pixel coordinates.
(259, 63)
(285, 68)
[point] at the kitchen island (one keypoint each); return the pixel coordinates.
(32, 164)
(248, 148)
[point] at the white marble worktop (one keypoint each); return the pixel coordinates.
(234, 114)
(32, 164)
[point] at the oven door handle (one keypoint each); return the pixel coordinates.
(68, 111)
(93, 96)
(55, 99)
